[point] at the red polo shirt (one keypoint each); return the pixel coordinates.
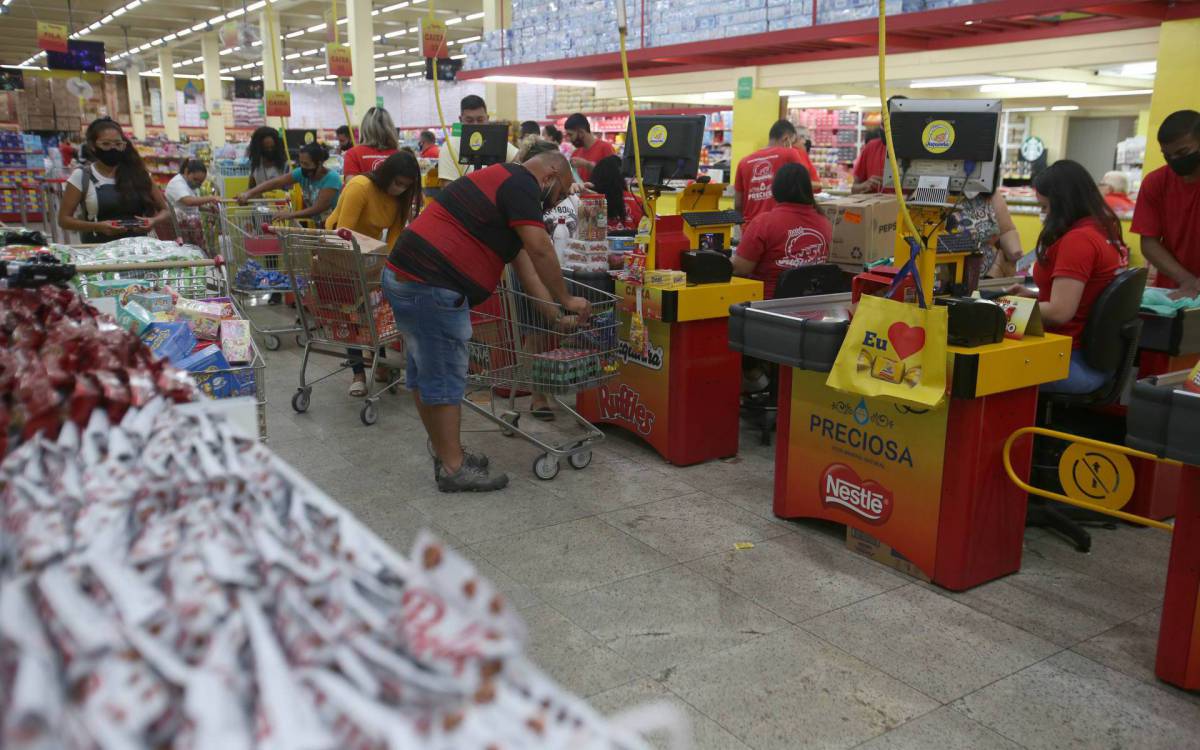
(788, 236)
(1086, 254)
(600, 149)
(756, 173)
(1168, 209)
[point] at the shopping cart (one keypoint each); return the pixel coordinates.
(201, 279)
(341, 304)
(256, 267)
(199, 226)
(520, 344)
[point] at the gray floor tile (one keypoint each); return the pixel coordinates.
(518, 594)
(571, 656)
(943, 729)
(1055, 602)
(566, 559)
(1132, 648)
(620, 484)
(692, 526)
(754, 493)
(1131, 557)
(938, 646)
(1070, 701)
(790, 689)
(478, 517)
(797, 577)
(667, 617)
(706, 733)
(722, 472)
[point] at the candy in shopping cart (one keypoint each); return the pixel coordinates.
(217, 384)
(253, 276)
(154, 302)
(170, 341)
(133, 318)
(204, 317)
(235, 340)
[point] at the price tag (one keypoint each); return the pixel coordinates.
(52, 36)
(433, 38)
(337, 58)
(278, 103)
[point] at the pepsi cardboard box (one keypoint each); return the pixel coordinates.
(864, 229)
(868, 546)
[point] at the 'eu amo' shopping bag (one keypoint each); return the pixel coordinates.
(893, 349)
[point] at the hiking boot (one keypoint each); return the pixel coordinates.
(470, 478)
(478, 460)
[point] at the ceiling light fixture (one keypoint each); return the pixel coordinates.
(955, 81)
(1096, 94)
(544, 81)
(1064, 108)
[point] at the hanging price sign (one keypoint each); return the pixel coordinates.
(337, 57)
(51, 37)
(278, 103)
(433, 38)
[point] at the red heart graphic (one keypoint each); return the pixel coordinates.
(906, 340)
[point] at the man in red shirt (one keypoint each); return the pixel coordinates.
(756, 172)
(868, 168)
(588, 148)
(428, 145)
(1167, 215)
(450, 259)
(792, 234)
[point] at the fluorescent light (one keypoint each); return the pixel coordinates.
(1034, 88)
(393, 34)
(413, 75)
(294, 34)
(454, 21)
(1024, 109)
(397, 6)
(315, 27)
(1064, 108)
(458, 57)
(955, 81)
(414, 64)
(395, 52)
(116, 13)
(292, 56)
(469, 39)
(170, 37)
(342, 21)
(256, 6)
(1140, 69)
(474, 16)
(852, 97)
(312, 51)
(545, 81)
(1128, 92)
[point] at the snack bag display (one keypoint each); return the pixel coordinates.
(894, 349)
(235, 340)
(170, 341)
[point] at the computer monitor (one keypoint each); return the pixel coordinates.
(484, 144)
(669, 145)
(952, 141)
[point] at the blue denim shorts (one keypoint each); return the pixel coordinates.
(436, 324)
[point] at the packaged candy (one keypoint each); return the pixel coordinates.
(204, 317)
(235, 340)
(170, 341)
(218, 383)
(154, 302)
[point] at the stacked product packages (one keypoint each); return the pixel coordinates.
(165, 581)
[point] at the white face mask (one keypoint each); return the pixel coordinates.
(1042, 216)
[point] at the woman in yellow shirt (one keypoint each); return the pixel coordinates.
(373, 203)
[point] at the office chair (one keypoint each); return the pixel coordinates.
(805, 281)
(1109, 343)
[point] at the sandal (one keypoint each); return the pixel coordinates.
(544, 413)
(358, 388)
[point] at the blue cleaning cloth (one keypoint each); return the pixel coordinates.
(1159, 302)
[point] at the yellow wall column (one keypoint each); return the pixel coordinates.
(210, 50)
(752, 119)
(359, 35)
(501, 98)
(137, 107)
(166, 84)
(268, 25)
(1143, 124)
(1051, 127)
(1175, 86)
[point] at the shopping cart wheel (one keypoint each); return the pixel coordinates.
(580, 460)
(369, 414)
(545, 466)
(271, 341)
(299, 340)
(509, 418)
(300, 400)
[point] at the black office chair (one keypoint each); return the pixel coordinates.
(805, 281)
(1109, 343)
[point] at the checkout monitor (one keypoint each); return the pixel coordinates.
(670, 148)
(953, 140)
(483, 145)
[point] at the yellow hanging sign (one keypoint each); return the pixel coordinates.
(278, 103)
(52, 37)
(433, 38)
(337, 57)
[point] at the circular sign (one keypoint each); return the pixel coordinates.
(203, 115)
(656, 136)
(309, 137)
(938, 137)
(1095, 475)
(1032, 148)
(348, 98)
(476, 141)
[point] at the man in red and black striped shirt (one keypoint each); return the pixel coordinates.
(450, 259)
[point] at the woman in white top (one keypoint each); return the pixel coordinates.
(181, 190)
(113, 196)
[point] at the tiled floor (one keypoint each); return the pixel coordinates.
(628, 578)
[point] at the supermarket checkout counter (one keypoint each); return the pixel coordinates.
(929, 483)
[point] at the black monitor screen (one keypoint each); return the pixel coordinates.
(969, 136)
(669, 146)
(244, 88)
(483, 144)
(11, 80)
(447, 69)
(88, 56)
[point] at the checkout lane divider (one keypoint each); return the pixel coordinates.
(1130, 517)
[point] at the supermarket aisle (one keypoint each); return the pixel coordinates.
(627, 576)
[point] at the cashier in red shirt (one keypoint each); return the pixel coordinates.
(624, 209)
(377, 141)
(588, 148)
(1167, 215)
(792, 234)
(1080, 251)
(428, 145)
(756, 172)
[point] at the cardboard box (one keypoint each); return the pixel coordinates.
(868, 546)
(864, 229)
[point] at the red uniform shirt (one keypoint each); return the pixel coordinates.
(432, 151)
(593, 153)
(1168, 209)
(633, 215)
(870, 160)
(788, 236)
(362, 159)
(1119, 202)
(1086, 254)
(756, 172)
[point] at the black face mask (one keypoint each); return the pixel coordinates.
(1186, 164)
(308, 173)
(807, 145)
(548, 201)
(109, 157)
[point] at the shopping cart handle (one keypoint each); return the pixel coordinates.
(218, 261)
(268, 229)
(344, 234)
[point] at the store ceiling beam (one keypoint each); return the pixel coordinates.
(1076, 75)
(1129, 10)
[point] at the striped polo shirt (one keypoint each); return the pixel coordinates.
(462, 240)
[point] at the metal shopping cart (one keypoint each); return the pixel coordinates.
(341, 304)
(256, 269)
(199, 226)
(201, 279)
(520, 343)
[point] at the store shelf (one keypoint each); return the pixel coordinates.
(1000, 22)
